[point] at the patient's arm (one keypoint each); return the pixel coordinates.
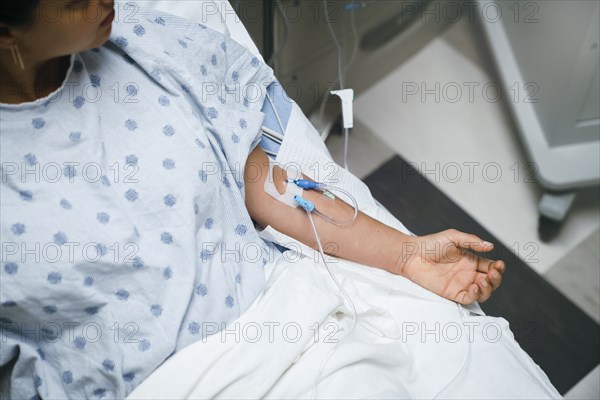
(438, 262)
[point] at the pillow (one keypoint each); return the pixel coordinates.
(216, 14)
(205, 12)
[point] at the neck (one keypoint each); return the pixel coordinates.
(37, 80)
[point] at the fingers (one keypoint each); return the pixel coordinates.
(495, 273)
(469, 241)
(480, 291)
(500, 266)
(490, 281)
(486, 265)
(468, 296)
(486, 287)
(493, 269)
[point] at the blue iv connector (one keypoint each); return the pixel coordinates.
(306, 204)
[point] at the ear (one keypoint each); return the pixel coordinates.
(8, 37)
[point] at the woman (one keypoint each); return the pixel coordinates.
(125, 206)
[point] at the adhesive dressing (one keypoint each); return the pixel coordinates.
(291, 190)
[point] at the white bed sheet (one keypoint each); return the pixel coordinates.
(408, 344)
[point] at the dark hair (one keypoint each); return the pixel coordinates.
(17, 12)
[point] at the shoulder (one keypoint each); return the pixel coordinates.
(158, 41)
(156, 31)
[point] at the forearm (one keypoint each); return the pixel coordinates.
(366, 240)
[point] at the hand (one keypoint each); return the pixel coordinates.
(442, 264)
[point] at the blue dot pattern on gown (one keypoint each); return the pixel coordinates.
(55, 277)
(60, 238)
(91, 310)
(95, 80)
(38, 123)
(168, 130)
(78, 102)
(30, 159)
(241, 229)
(170, 200)
(128, 377)
(101, 249)
(108, 365)
(144, 345)
(77, 66)
(201, 290)
(75, 137)
(122, 294)
(131, 125)
(131, 159)
(139, 30)
(103, 217)
(168, 163)
(132, 90)
(70, 171)
(194, 328)
(26, 195)
(11, 268)
(80, 342)
(164, 101)
(156, 310)
(49, 309)
(65, 204)
(166, 238)
(18, 229)
(131, 195)
(137, 262)
(67, 377)
(134, 188)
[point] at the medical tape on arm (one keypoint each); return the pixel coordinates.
(291, 189)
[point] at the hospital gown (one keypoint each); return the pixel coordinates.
(125, 236)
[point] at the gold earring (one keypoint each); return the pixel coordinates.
(17, 56)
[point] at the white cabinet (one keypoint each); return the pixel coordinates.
(550, 49)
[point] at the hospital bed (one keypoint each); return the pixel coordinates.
(299, 292)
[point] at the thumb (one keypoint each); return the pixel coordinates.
(467, 296)
(469, 241)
